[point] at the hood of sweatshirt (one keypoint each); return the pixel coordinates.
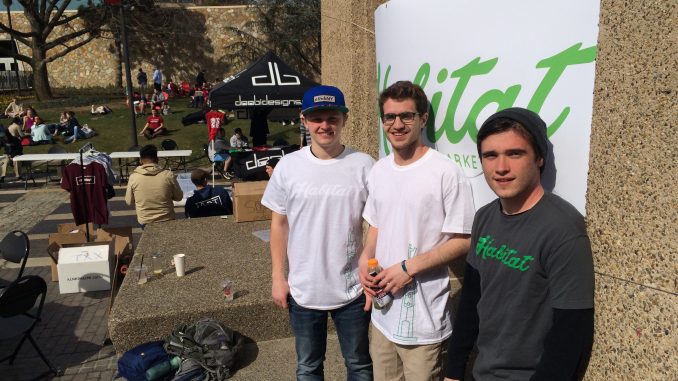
(149, 169)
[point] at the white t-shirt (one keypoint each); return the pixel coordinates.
(415, 207)
(323, 201)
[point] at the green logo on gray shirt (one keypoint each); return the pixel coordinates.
(503, 254)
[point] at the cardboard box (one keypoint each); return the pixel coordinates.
(121, 237)
(86, 267)
(247, 201)
(55, 241)
(73, 228)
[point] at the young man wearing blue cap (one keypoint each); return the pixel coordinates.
(527, 298)
(317, 195)
(420, 212)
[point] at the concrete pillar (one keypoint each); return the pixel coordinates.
(632, 203)
(349, 62)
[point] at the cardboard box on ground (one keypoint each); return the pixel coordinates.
(247, 201)
(70, 236)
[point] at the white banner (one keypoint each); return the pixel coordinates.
(475, 57)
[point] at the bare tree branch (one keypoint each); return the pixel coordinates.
(69, 49)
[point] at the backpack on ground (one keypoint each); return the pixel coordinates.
(134, 363)
(208, 343)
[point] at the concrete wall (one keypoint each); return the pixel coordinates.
(632, 202)
(196, 37)
(349, 61)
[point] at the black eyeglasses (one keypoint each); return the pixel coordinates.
(405, 117)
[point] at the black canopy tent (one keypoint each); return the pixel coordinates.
(269, 82)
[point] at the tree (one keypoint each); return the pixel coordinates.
(160, 36)
(289, 28)
(45, 17)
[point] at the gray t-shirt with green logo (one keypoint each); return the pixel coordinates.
(528, 264)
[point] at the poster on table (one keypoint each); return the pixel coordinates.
(474, 58)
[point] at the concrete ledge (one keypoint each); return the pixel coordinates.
(215, 249)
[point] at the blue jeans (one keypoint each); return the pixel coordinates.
(310, 331)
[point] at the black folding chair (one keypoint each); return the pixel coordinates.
(171, 145)
(15, 248)
(18, 316)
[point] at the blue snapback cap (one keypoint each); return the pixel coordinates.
(323, 98)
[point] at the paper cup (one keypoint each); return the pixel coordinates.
(180, 263)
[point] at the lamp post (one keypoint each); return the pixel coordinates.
(128, 72)
(8, 4)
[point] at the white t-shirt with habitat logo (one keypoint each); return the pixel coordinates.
(415, 208)
(323, 201)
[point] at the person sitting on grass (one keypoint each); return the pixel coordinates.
(207, 201)
(158, 100)
(40, 133)
(140, 104)
(73, 128)
(14, 109)
(155, 125)
(29, 120)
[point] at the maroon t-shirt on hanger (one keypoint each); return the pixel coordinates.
(88, 192)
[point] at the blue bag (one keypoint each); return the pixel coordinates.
(134, 363)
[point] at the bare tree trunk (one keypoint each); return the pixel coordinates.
(43, 90)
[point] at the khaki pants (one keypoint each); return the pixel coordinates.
(3, 166)
(395, 362)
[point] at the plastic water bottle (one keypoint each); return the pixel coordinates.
(382, 299)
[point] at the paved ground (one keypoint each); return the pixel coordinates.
(74, 326)
(73, 331)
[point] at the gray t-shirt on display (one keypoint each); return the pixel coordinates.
(528, 264)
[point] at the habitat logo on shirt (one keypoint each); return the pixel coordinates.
(504, 254)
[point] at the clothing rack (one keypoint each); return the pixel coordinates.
(87, 147)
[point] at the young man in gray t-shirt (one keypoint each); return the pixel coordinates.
(528, 286)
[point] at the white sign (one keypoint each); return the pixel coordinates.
(474, 58)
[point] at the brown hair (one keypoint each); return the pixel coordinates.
(401, 91)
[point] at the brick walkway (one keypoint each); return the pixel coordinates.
(71, 334)
(74, 326)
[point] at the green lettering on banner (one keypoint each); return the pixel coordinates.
(556, 65)
(454, 136)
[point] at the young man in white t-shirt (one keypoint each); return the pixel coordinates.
(420, 211)
(317, 196)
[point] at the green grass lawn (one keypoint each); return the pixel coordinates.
(113, 130)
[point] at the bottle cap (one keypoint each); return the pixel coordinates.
(372, 262)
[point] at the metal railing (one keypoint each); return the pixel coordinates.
(8, 80)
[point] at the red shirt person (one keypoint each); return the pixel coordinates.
(214, 119)
(155, 125)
